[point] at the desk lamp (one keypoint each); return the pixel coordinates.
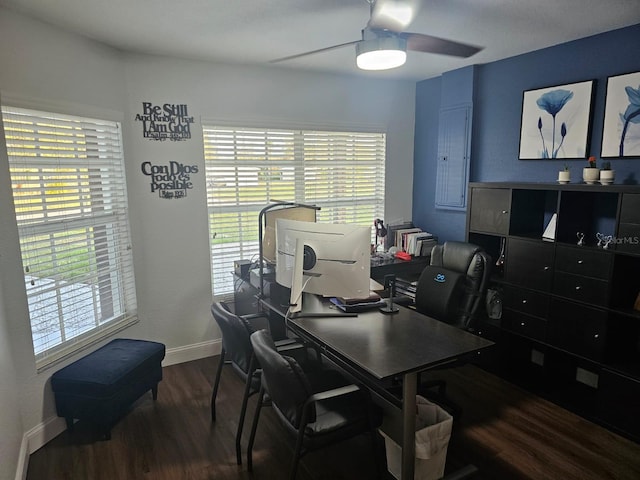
(381, 232)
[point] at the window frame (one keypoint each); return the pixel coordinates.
(248, 250)
(94, 182)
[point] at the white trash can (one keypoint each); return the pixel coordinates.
(433, 431)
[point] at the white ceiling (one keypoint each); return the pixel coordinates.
(257, 31)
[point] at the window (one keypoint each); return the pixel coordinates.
(341, 172)
(67, 176)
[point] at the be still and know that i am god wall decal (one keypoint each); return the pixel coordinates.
(170, 121)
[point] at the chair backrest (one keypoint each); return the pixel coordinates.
(451, 288)
(282, 378)
(235, 335)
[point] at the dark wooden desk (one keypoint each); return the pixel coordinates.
(375, 347)
(407, 269)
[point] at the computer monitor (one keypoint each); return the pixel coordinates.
(327, 259)
(300, 213)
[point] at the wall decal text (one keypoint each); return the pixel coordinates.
(169, 121)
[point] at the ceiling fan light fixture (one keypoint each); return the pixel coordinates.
(381, 53)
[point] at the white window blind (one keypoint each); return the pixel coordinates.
(341, 172)
(69, 190)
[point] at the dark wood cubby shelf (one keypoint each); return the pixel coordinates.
(568, 330)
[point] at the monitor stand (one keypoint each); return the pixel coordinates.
(295, 300)
(390, 284)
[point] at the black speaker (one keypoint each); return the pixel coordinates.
(241, 268)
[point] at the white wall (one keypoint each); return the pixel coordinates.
(170, 236)
(10, 419)
(42, 67)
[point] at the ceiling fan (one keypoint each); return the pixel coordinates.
(384, 43)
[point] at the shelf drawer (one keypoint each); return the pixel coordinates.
(525, 325)
(583, 289)
(618, 402)
(629, 228)
(490, 210)
(526, 301)
(530, 264)
(630, 212)
(628, 238)
(577, 329)
(581, 261)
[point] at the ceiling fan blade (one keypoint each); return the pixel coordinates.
(313, 52)
(429, 44)
(393, 15)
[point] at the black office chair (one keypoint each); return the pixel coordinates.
(317, 406)
(451, 289)
(236, 345)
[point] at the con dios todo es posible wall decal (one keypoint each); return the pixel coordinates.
(169, 121)
(170, 181)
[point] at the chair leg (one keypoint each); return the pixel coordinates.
(298, 452)
(216, 382)
(376, 453)
(374, 438)
(243, 409)
(254, 428)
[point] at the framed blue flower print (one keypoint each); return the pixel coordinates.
(621, 127)
(556, 122)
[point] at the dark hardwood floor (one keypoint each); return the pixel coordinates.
(505, 432)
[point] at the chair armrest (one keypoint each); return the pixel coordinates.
(252, 316)
(286, 341)
(288, 347)
(335, 392)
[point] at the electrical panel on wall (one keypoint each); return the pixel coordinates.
(454, 147)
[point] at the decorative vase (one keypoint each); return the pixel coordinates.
(564, 176)
(590, 175)
(607, 177)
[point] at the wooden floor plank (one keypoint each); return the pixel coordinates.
(504, 431)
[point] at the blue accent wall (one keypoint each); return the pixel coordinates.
(498, 91)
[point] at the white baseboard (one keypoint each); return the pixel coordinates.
(23, 459)
(45, 432)
(195, 351)
(50, 428)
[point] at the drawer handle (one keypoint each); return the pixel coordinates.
(580, 262)
(546, 268)
(524, 302)
(522, 324)
(596, 336)
(578, 288)
(504, 212)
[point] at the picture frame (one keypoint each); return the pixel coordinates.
(621, 125)
(556, 122)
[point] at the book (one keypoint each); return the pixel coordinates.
(390, 239)
(358, 307)
(373, 297)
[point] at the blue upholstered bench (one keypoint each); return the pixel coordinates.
(100, 387)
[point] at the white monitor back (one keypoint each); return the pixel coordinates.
(342, 252)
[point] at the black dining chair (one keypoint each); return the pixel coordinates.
(450, 290)
(237, 351)
(317, 406)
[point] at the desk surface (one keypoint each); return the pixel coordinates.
(377, 347)
(386, 346)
